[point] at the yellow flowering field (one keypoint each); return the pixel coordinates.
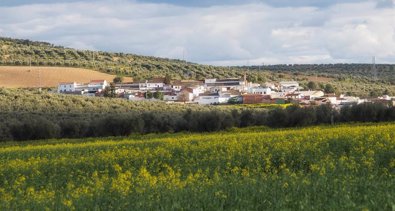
(347, 167)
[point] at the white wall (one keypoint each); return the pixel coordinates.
(66, 87)
(170, 98)
(207, 100)
(261, 90)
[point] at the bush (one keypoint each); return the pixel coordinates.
(35, 129)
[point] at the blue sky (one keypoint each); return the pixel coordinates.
(221, 32)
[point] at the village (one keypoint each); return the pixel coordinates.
(215, 92)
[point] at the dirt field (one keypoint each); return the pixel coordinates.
(25, 77)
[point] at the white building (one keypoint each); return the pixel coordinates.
(170, 97)
(156, 83)
(186, 95)
(208, 99)
(196, 90)
(261, 90)
(215, 98)
(349, 100)
(311, 95)
(178, 85)
(332, 98)
(224, 97)
(67, 87)
(221, 85)
(289, 86)
(97, 85)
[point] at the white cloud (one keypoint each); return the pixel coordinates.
(224, 35)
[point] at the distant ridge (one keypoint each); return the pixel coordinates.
(21, 52)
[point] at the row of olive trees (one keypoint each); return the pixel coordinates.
(34, 126)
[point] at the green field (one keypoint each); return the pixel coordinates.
(347, 167)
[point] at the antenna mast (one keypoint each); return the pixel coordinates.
(374, 69)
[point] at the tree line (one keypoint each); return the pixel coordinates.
(30, 126)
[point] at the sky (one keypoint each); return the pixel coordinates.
(216, 32)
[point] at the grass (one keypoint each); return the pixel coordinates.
(257, 105)
(345, 167)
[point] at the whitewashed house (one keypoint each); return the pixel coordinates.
(178, 85)
(261, 90)
(138, 96)
(216, 98)
(197, 90)
(208, 99)
(221, 85)
(186, 95)
(170, 97)
(332, 98)
(294, 96)
(97, 85)
(67, 87)
(349, 100)
(289, 86)
(311, 95)
(224, 97)
(153, 84)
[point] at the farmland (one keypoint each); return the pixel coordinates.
(26, 77)
(315, 168)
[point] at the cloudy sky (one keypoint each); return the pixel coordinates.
(219, 32)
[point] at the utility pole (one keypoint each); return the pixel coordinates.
(263, 65)
(184, 55)
(39, 80)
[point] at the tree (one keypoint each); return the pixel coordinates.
(329, 89)
(118, 79)
(235, 100)
(374, 93)
(312, 85)
(109, 91)
(183, 96)
(167, 79)
(158, 95)
(148, 95)
(252, 78)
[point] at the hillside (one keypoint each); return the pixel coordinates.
(23, 52)
(26, 77)
(354, 79)
(319, 168)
